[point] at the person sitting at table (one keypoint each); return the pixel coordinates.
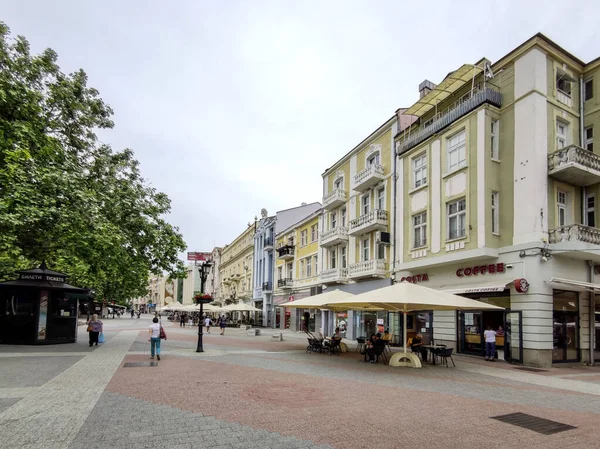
(417, 345)
(386, 335)
(376, 347)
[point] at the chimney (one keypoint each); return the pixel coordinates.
(425, 87)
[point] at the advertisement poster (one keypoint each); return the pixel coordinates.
(43, 315)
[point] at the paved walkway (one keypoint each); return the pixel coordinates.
(250, 392)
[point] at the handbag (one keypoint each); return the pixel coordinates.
(101, 338)
(163, 335)
(89, 329)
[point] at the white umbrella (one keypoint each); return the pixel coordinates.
(317, 301)
(205, 308)
(175, 306)
(241, 307)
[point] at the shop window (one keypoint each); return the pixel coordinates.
(566, 301)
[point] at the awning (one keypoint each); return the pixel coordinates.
(451, 84)
(574, 285)
(478, 288)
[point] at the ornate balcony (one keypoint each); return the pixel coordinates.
(574, 165)
(376, 220)
(487, 95)
(376, 268)
(268, 244)
(334, 276)
(333, 199)
(286, 252)
(285, 283)
(334, 236)
(368, 177)
(267, 287)
(576, 241)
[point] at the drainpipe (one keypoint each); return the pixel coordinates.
(581, 143)
(394, 190)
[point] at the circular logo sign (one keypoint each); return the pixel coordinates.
(291, 298)
(521, 285)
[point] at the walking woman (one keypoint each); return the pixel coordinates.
(154, 338)
(94, 328)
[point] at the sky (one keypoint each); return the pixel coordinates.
(234, 106)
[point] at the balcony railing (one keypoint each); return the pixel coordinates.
(487, 95)
(266, 287)
(285, 283)
(375, 220)
(286, 252)
(575, 233)
(334, 199)
(574, 165)
(368, 268)
(334, 275)
(334, 236)
(368, 177)
(268, 243)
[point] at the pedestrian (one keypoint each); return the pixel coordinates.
(154, 338)
(207, 323)
(182, 320)
(222, 324)
(490, 344)
(94, 328)
(132, 313)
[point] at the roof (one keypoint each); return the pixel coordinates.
(453, 82)
(50, 285)
(300, 222)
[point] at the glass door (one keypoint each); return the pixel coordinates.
(513, 336)
(566, 331)
(470, 333)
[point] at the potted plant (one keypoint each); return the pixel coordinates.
(202, 298)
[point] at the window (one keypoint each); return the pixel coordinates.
(333, 258)
(343, 257)
(365, 249)
(563, 82)
(589, 138)
(561, 204)
(494, 139)
(373, 159)
(588, 90)
(343, 213)
(290, 270)
(381, 251)
(456, 151)
(365, 204)
(420, 170)
(420, 230)
(381, 198)
(316, 265)
(303, 238)
(590, 210)
(279, 273)
(561, 134)
(339, 184)
(308, 267)
(495, 213)
(314, 233)
(457, 218)
(333, 220)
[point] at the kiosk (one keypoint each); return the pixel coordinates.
(39, 308)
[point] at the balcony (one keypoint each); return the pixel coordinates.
(333, 199)
(334, 236)
(334, 276)
(267, 287)
(285, 283)
(368, 177)
(286, 252)
(575, 166)
(376, 268)
(487, 95)
(376, 220)
(268, 244)
(575, 241)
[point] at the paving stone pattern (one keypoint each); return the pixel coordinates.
(33, 371)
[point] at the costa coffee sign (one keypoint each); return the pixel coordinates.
(416, 278)
(481, 269)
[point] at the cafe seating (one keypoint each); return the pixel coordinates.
(334, 346)
(360, 347)
(444, 355)
(315, 345)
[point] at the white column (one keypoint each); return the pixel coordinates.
(481, 192)
(399, 236)
(436, 197)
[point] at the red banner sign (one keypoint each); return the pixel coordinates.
(198, 256)
(481, 269)
(424, 277)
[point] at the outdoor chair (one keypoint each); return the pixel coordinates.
(446, 354)
(361, 344)
(334, 346)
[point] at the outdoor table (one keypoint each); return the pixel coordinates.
(432, 349)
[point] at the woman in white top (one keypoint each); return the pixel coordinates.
(207, 324)
(154, 338)
(490, 344)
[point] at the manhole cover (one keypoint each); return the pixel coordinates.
(139, 364)
(533, 370)
(539, 425)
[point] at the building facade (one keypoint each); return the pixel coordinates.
(162, 290)
(498, 180)
(213, 281)
(236, 268)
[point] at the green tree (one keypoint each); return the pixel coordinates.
(66, 199)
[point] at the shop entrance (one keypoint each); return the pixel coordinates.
(565, 327)
(513, 336)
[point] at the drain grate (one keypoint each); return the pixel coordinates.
(533, 370)
(139, 364)
(539, 425)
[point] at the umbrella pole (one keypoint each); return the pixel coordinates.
(404, 329)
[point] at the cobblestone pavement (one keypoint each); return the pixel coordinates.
(250, 392)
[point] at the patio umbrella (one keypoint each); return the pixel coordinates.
(174, 306)
(196, 308)
(318, 301)
(241, 307)
(407, 297)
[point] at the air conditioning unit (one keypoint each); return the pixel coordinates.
(382, 237)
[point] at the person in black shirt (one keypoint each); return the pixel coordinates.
(417, 345)
(376, 347)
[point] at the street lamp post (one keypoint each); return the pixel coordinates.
(203, 270)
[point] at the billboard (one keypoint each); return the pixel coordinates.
(198, 256)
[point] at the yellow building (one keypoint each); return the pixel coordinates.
(297, 267)
(235, 267)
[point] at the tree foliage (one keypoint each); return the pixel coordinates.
(64, 197)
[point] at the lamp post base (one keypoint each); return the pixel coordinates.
(199, 348)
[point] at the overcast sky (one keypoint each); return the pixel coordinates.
(232, 106)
